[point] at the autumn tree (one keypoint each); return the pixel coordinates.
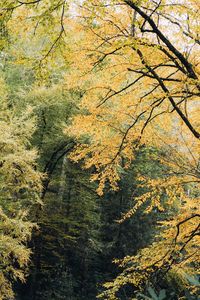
(135, 66)
(140, 85)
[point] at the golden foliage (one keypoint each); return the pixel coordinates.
(137, 88)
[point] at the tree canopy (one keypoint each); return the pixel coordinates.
(99, 103)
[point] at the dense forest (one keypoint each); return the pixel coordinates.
(99, 149)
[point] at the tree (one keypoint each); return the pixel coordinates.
(122, 64)
(38, 17)
(20, 187)
(140, 84)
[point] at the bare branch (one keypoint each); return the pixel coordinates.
(165, 89)
(163, 38)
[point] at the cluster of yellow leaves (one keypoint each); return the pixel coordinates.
(162, 194)
(172, 254)
(119, 110)
(116, 110)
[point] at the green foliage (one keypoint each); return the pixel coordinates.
(154, 295)
(79, 234)
(20, 185)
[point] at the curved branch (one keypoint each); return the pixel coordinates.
(164, 39)
(165, 89)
